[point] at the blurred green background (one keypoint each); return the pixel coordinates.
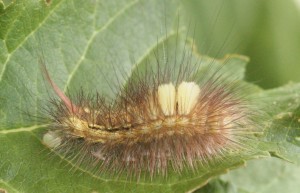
(268, 31)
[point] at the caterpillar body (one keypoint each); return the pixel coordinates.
(165, 116)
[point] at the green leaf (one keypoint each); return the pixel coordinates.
(281, 136)
(264, 176)
(78, 41)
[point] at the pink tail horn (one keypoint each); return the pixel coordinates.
(71, 107)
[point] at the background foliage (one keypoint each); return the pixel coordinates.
(266, 31)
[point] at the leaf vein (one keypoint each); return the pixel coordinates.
(105, 26)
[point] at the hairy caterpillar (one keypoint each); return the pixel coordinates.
(175, 111)
(166, 116)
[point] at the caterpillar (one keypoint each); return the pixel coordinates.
(165, 116)
(176, 110)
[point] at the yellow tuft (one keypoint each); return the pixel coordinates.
(167, 98)
(187, 97)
